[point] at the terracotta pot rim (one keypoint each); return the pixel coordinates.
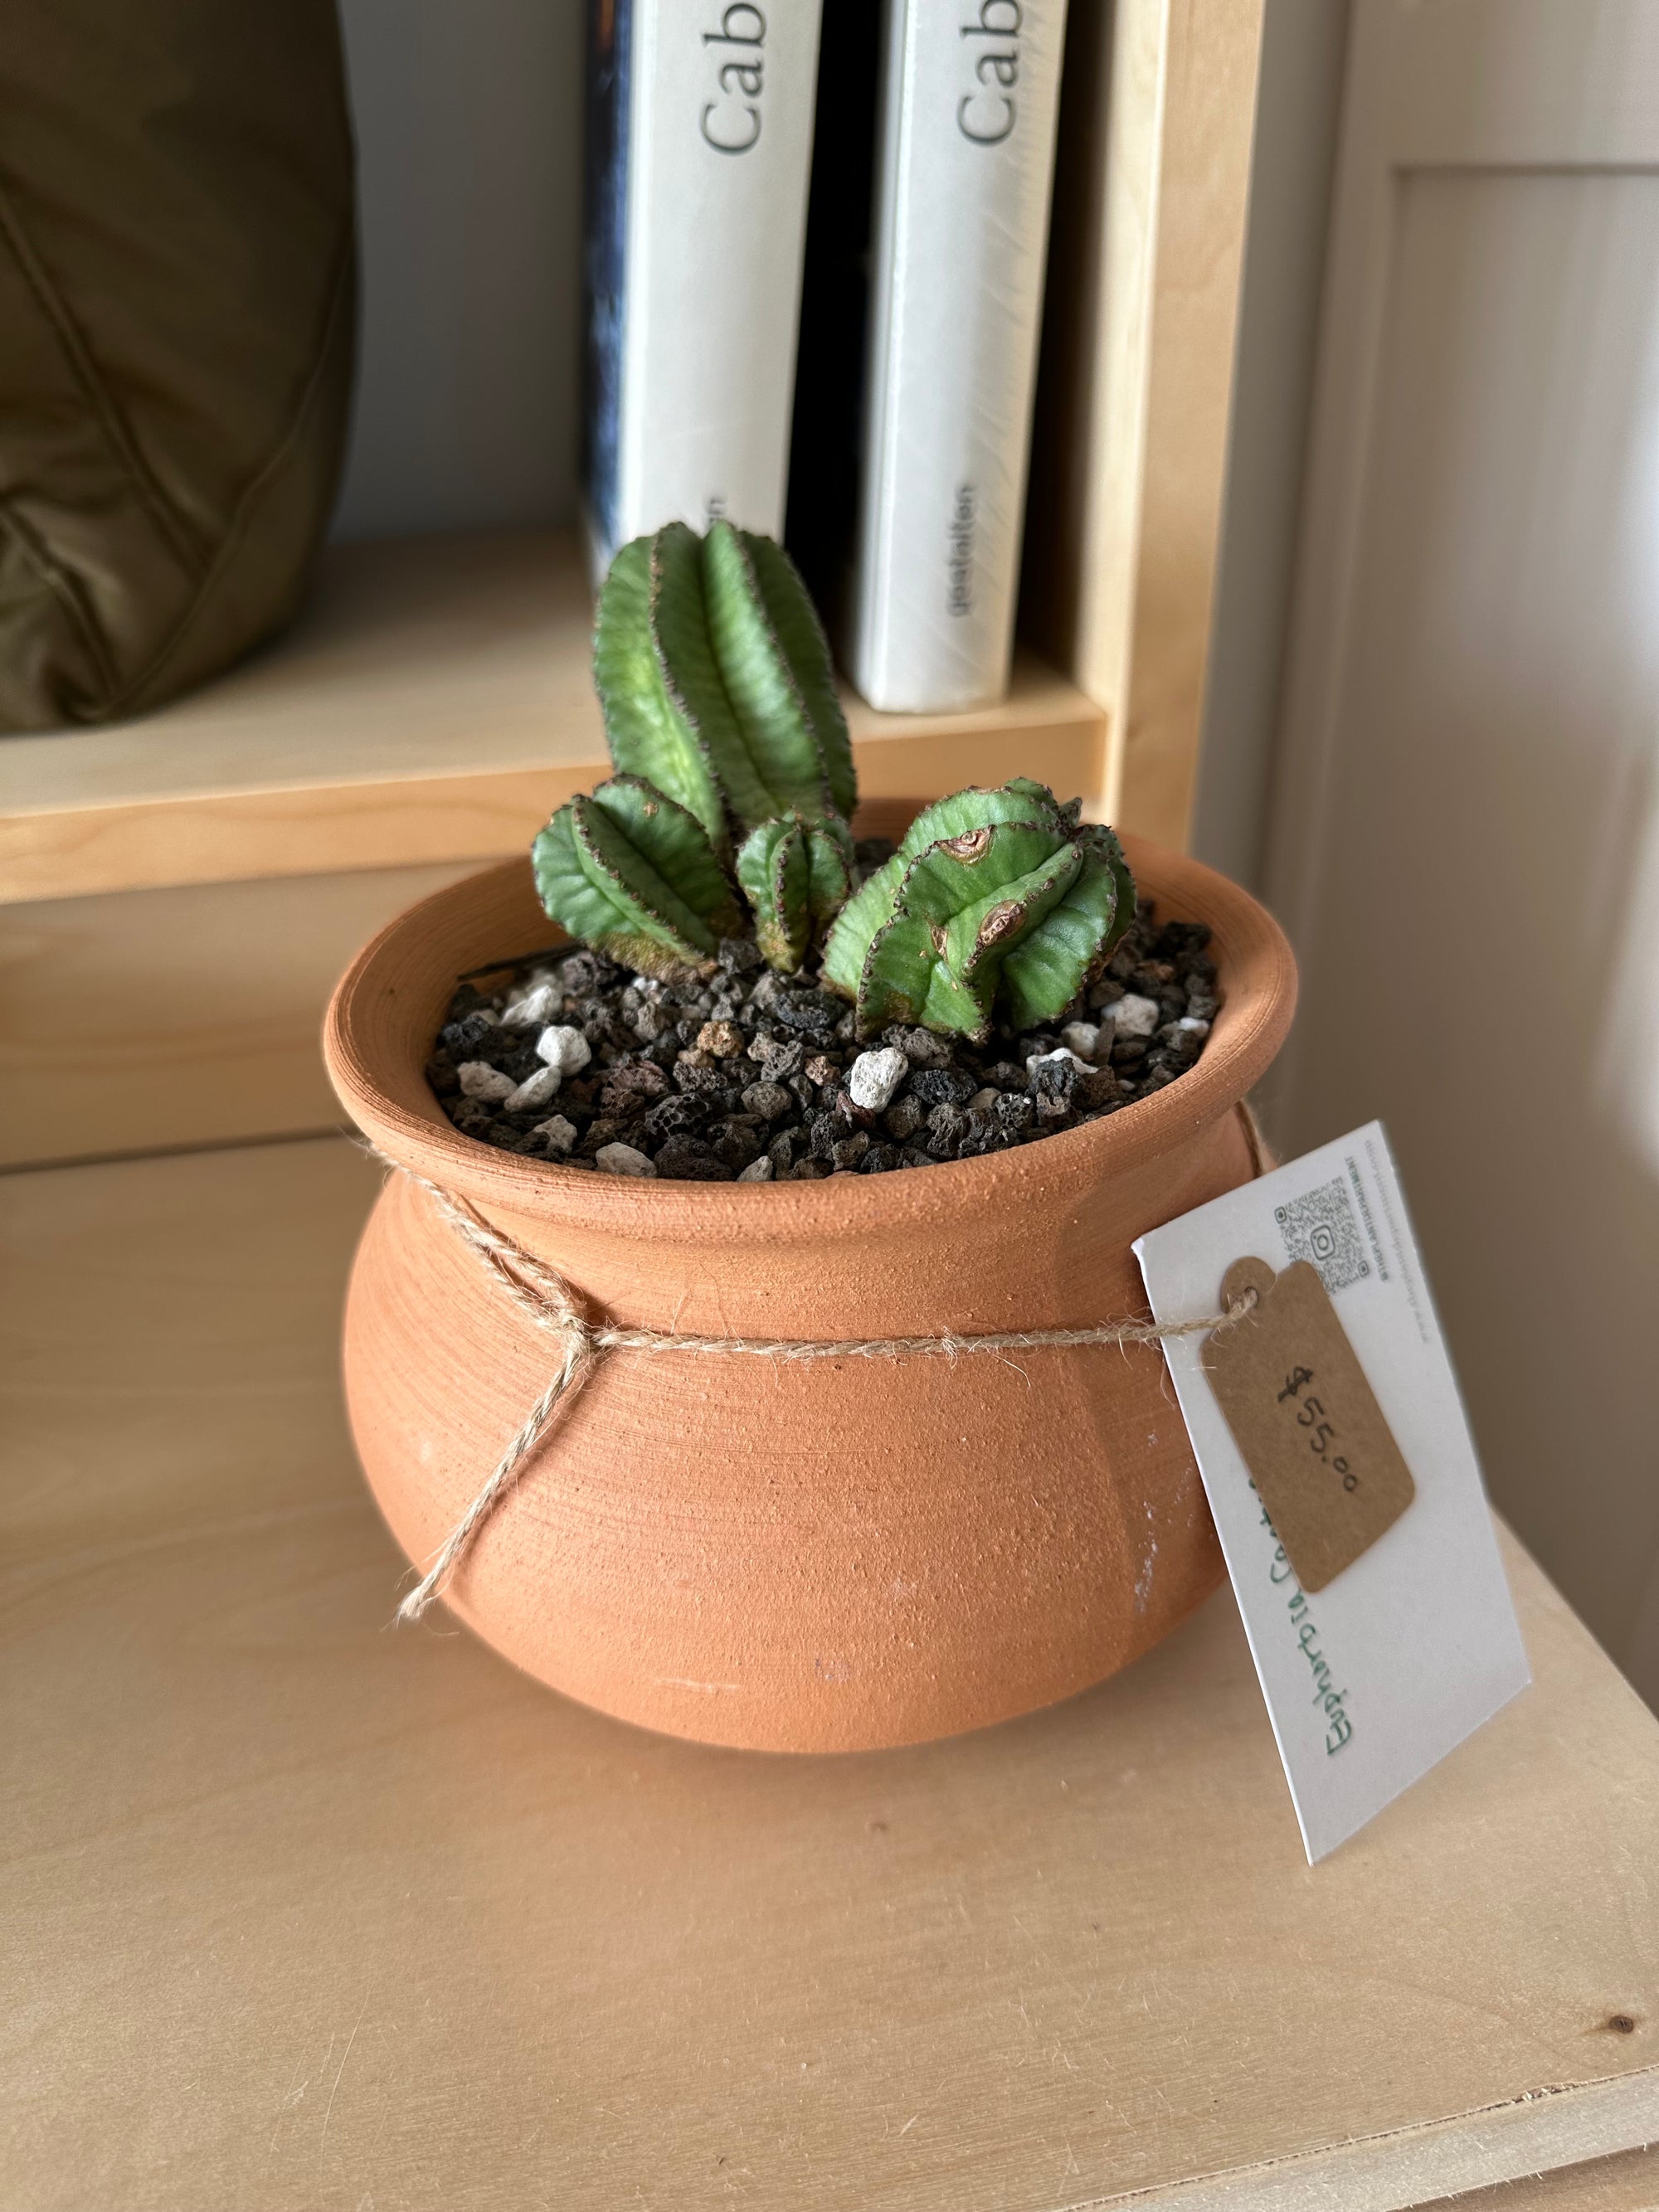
(1248, 1031)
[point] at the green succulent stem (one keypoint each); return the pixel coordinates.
(734, 787)
(796, 875)
(715, 678)
(996, 902)
(631, 873)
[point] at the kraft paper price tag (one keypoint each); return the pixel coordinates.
(1339, 1466)
(1323, 1457)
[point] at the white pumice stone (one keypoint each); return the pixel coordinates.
(561, 1135)
(1060, 1051)
(1198, 1026)
(529, 1011)
(1082, 1037)
(875, 1076)
(760, 1170)
(535, 1090)
(564, 1048)
(623, 1160)
(480, 1081)
(988, 1096)
(1135, 1016)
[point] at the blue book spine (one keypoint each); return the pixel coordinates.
(609, 34)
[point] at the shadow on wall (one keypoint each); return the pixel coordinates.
(1299, 98)
(1625, 1077)
(468, 125)
(1479, 941)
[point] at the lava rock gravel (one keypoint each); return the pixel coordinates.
(748, 1076)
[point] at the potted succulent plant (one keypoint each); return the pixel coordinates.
(795, 1114)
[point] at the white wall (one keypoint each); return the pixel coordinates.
(1303, 46)
(468, 121)
(1465, 815)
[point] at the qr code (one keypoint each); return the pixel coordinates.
(1320, 1226)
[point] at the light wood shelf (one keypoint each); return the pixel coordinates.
(306, 1914)
(434, 704)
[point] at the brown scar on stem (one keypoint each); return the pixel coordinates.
(998, 922)
(971, 845)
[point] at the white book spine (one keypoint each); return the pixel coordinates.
(970, 99)
(720, 143)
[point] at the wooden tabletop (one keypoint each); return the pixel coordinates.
(303, 1913)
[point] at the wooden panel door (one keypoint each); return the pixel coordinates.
(1465, 825)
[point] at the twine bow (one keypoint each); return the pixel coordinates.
(545, 1298)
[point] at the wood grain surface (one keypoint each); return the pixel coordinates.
(1129, 458)
(300, 1914)
(143, 1021)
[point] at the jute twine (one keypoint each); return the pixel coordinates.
(546, 1299)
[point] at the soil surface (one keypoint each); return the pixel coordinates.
(749, 1076)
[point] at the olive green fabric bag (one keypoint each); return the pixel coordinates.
(177, 324)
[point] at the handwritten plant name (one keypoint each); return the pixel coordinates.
(1331, 1700)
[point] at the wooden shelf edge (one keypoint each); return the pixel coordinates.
(1529, 2136)
(434, 707)
(231, 835)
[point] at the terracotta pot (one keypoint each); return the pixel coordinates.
(823, 1556)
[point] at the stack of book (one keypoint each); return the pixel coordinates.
(814, 279)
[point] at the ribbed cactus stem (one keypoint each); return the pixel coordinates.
(997, 902)
(715, 681)
(632, 872)
(796, 875)
(732, 754)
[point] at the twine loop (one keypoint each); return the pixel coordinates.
(546, 1299)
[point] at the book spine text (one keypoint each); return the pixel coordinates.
(970, 99)
(704, 216)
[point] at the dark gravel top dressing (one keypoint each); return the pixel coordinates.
(749, 1076)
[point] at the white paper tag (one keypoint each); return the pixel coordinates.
(1410, 1647)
